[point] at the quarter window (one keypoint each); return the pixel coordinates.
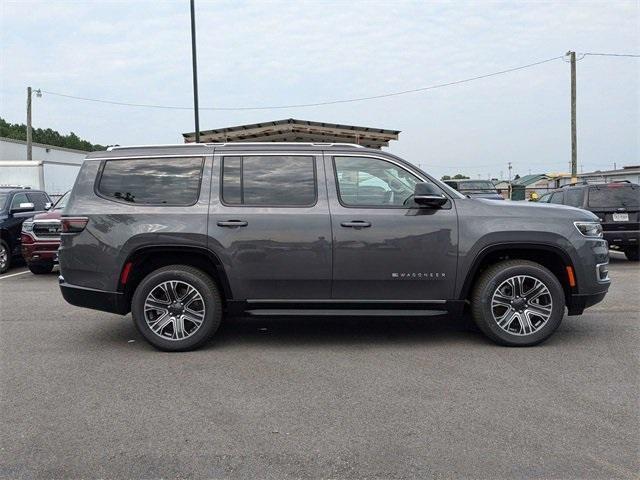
(261, 180)
(152, 181)
(373, 182)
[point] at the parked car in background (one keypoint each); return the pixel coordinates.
(182, 235)
(476, 188)
(41, 238)
(17, 204)
(617, 205)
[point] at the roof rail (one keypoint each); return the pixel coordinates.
(217, 144)
(123, 147)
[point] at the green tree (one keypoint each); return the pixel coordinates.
(47, 136)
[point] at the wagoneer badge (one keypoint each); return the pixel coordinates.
(419, 275)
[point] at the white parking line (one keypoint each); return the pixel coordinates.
(14, 274)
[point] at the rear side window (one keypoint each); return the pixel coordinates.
(152, 181)
(574, 197)
(614, 196)
(277, 180)
(39, 200)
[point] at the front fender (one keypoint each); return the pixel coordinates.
(471, 255)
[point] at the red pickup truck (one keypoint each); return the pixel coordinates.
(40, 238)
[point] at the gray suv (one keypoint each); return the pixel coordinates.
(181, 235)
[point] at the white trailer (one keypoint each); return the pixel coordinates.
(53, 169)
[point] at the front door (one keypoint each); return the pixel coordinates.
(269, 224)
(384, 246)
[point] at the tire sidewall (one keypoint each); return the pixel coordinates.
(557, 311)
(211, 302)
(7, 266)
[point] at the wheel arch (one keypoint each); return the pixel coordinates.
(550, 256)
(148, 258)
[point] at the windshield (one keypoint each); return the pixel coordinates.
(614, 196)
(477, 185)
(62, 202)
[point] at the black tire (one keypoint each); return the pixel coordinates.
(5, 257)
(492, 279)
(632, 254)
(41, 268)
(211, 300)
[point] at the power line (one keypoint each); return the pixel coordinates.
(348, 100)
(610, 54)
(305, 105)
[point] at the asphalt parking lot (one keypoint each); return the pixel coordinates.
(83, 396)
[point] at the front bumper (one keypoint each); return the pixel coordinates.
(579, 302)
(112, 302)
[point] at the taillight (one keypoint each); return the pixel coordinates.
(74, 224)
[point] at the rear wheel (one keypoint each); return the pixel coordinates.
(632, 254)
(177, 308)
(41, 268)
(518, 303)
(5, 257)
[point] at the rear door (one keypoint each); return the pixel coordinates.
(269, 224)
(384, 249)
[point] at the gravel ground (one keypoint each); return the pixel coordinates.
(84, 396)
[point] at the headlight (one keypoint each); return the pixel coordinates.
(27, 227)
(589, 229)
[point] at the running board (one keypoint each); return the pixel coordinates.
(341, 312)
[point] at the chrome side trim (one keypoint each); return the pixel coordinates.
(602, 280)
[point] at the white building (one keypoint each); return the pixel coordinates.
(53, 169)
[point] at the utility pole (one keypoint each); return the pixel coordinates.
(510, 189)
(574, 136)
(195, 71)
(29, 140)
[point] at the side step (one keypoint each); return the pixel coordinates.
(341, 312)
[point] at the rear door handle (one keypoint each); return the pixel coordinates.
(356, 224)
(233, 223)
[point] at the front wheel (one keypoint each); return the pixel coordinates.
(518, 303)
(177, 308)
(5, 257)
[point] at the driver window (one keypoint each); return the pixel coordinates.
(373, 182)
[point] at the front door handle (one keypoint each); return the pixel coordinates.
(356, 224)
(233, 223)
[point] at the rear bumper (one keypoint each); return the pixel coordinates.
(622, 238)
(113, 302)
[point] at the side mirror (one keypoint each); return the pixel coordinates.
(48, 205)
(24, 207)
(428, 195)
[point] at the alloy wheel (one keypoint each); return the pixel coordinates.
(174, 310)
(521, 305)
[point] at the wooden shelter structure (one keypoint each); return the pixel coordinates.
(292, 130)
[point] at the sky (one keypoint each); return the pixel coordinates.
(264, 53)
